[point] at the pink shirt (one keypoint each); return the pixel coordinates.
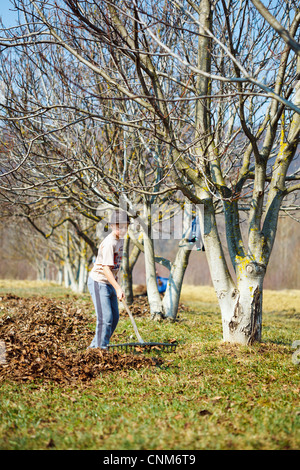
(110, 253)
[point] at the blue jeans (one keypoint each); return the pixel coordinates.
(107, 310)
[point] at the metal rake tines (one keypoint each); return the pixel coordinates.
(138, 347)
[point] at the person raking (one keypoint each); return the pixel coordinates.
(103, 282)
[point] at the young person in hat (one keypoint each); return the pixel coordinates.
(103, 280)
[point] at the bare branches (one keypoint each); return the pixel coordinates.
(103, 99)
(284, 34)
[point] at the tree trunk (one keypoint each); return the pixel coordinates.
(60, 276)
(42, 272)
(127, 284)
(128, 264)
(242, 310)
(178, 267)
(69, 275)
(240, 302)
(172, 294)
(154, 299)
(66, 275)
(82, 271)
(82, 275)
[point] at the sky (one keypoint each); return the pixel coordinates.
(8, 16)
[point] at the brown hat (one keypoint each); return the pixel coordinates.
(119, 217)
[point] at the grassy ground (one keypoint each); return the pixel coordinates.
(207, 395)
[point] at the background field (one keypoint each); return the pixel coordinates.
(207, 395)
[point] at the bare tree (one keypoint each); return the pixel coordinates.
(213, 83)
(79, 161)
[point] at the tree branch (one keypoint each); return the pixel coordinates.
(284, 34)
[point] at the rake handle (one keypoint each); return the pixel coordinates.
(132, 322)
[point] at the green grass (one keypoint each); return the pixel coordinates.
(207, 395)
(29, 288)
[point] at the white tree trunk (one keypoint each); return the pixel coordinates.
(82, 275)
(154, 299)
(69, 275)
(66, 275)
(172, 294)
(42, 272)
(241, 308)
(60, 276)
(240, 303)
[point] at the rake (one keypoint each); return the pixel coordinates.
(141, 345)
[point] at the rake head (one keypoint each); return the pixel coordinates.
(140, 347)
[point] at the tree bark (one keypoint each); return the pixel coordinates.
(128, 263)
(172, 294)
(154, 299)
(240, 302)
(242, 319)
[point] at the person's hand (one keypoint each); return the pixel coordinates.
(120, 294)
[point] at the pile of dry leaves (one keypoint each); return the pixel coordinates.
(47, 339)
(139, 308)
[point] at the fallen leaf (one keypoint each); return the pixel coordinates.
(217, 398)
(47, 339)
(50, 444)
(204, 413)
